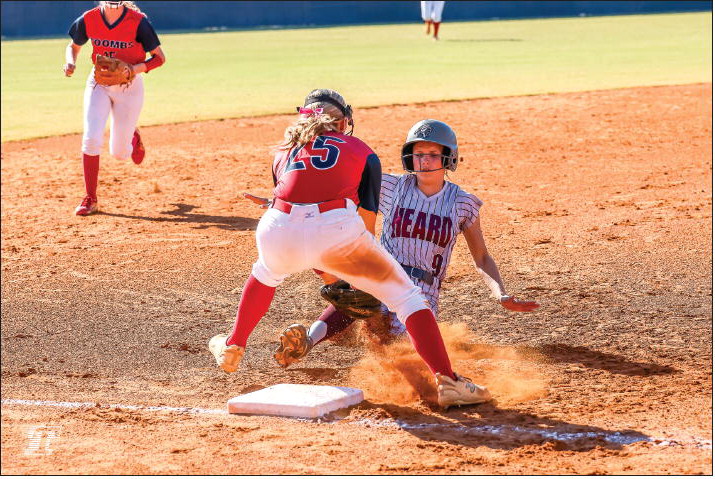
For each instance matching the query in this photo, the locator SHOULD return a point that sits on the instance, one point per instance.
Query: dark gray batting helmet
(437, 132)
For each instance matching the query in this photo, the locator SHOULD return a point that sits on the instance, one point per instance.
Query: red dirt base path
(597, 204)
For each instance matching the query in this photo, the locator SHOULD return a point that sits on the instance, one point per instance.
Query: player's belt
(420, 274)
(286, 207)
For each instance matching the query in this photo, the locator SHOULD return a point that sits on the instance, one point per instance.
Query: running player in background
(118, 30)
(422, 216)
(432, 15)
(321, 174)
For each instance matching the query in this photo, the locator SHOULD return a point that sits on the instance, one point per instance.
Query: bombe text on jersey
(111, 43)
(436, 229)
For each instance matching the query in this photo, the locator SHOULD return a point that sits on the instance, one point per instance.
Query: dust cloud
(396, 374)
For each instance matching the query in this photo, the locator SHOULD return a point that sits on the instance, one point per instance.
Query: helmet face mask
(433, 131)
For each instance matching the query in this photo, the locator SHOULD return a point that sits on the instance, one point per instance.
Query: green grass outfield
(242, 73)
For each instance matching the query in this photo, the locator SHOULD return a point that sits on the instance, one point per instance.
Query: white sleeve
(467, 209)
(388, 185)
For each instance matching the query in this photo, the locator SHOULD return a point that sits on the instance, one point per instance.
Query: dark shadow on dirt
(487, 425)
(252, 388)
(614, 363)
(318, 374)
(182, 214)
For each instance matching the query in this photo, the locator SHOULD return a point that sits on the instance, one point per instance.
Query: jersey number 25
(326, 159)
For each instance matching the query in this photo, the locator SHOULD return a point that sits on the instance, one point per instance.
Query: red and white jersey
(329, 167)
(421, 231)
(118, 40)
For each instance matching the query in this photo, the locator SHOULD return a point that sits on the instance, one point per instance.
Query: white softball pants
(125, 105)
(432, 11)
(335, 242)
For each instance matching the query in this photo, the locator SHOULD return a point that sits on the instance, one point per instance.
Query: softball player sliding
(432, 15)
(422, 216)
(321, 174)
(119, 30)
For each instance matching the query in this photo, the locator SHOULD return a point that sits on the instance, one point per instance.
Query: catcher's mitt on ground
(351, 302)
(112, 71)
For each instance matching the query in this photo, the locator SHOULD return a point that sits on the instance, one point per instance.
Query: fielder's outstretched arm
(486, 265)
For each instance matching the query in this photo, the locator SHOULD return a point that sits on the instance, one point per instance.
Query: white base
(295, 400)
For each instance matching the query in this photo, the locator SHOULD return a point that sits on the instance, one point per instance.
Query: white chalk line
(496, 431)
(613, 437)
(81, 405)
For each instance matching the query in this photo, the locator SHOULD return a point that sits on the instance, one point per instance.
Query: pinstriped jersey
(421, 231)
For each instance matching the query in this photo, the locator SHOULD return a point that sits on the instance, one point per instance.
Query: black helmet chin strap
(424, 171)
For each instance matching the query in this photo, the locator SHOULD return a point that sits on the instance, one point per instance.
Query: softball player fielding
(422, 216)
(118, 30)
(432, 15)
(321, 174)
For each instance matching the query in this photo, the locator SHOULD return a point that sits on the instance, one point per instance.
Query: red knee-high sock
(335, 320)
(255, 301)
(428, 23)
(436, 28)
(91, 174)
(427, 340)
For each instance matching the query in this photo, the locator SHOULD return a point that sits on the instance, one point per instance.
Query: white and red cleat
(138, 151)
(459, 392)
(87, 207)
(227, 357)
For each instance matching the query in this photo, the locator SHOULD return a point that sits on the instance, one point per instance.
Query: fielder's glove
(112, 71)
(351, 302)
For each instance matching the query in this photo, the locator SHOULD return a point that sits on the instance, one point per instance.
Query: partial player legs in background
(425, 15)
(432, 11)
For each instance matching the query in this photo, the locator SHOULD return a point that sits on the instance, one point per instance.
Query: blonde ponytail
(315, 119)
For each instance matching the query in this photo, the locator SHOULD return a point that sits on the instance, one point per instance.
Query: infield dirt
(597, 204)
